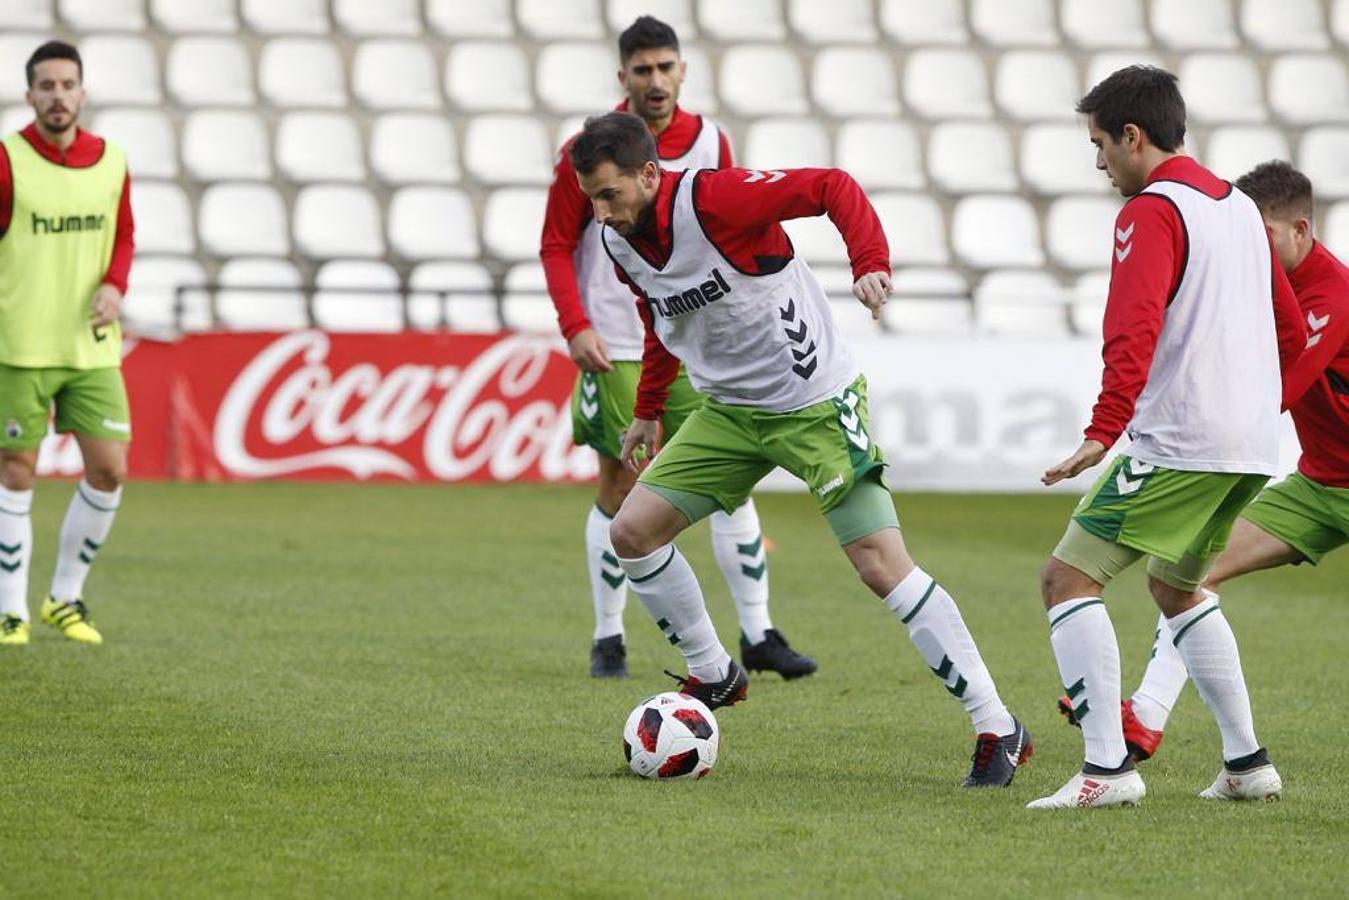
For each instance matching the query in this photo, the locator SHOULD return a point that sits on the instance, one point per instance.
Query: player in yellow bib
(65, 251)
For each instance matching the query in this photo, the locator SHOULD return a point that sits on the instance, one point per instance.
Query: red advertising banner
(319, 406)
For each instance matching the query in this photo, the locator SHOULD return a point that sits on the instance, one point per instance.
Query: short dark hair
(1145, 96)
(617, 137)
(646, 33)
(53, 50)
(1279, 190)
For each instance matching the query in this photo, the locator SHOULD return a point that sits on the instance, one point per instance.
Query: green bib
(54, 257)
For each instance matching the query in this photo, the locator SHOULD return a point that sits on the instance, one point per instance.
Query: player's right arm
(564, 220)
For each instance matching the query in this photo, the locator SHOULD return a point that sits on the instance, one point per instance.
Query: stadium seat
(147, 137)
(260, 294)
(337, 220)
(990, 232)
(15, 118)
(468, 303)
(1222, 87)
(358, 295)
(243, 220)
(854, 81)
(851, 318)
(184, 16)
(913, 23)
(946, 84)
(153, 297)
(508, 149)
(210, 71)
(26, 14)
(1275, 26)
(577, 78)
(762, 80)
(319, 146)
(14, 52)
(408, 148)
(479, 19)
(969, 157)
(119, 69)
(1093, 25)
(914, 227)
(487, 75)
(432, 223)
(302, 72)
(880, 154)
(103, 15)
(395, 74)
(817, 241)
(929, 302)
(1323, 156)
(220, 145)
(524, 304)
(678, 14)
(835, 22)
(1335, 230)
(1309, 88)
(786, 144)
(1339, 21)
(1100, 66)
(1058, 159)
(1089, 296)
(1014, 23)
(743, 20)
(512, 221)
(1037, 85)
(699, 91)
(163, 218)
(286, 16)
(567, 129)
(1194, 24)
(1233, 151)
(836, 278)
(1024, 303)
(560, 20)
(393, 18)
(1078, 231)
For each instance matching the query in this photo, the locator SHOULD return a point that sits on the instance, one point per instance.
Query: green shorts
(1180, 519)
(88, 401)
(1311, 518)
(602, 405)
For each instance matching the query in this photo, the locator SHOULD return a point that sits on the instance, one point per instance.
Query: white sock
(737, 543)
(940, 635)
(86, 526)
(608, 588)
(1163, 680)
(1088, 656)
(16, 551)
(1209, 648)
(669, 590)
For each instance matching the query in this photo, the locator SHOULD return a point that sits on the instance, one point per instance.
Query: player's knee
(629, 540)
(17, 473)
(105, 476)
(1060, 582)
(877, 571)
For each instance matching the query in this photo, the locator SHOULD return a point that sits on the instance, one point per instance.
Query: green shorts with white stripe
(602, 405)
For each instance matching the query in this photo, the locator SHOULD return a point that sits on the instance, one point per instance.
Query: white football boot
(1260, 783)
(1084, 790)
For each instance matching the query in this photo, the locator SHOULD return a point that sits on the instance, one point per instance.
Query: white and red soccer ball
(671, 735)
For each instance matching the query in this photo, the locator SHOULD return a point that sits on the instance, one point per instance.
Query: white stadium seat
(1089, 296)
(760, 80)
(153, 298)
(786, 144)
(1236, 149)
(319, 146)
(834, 22)
(1323, 156)
(1275, 26)
(946, 84)
(1309, 88)
(163, 218)
(1335, 231)
(1222, 87)
(432, 223)
(880, 154)
(394, 18)
(577, 78)
(337, 220)
(407, 148)
(1078, 231)
(1037, 85)
(210, 71)
(854, 81)
(488, 75)
(969, 157)
(15, 118)
(358, 295)
(1023, 303)
(120, 69)
(27, 14)
(817, 240)
(990, 232)
(1058, 159)
(508, 149)
(568, 129)
(220, 145)
(1100, 66)
(512, 221)
(1093, 25)
(743, 20)
(930, 302)
(286, 16)
(300, 72)
(147, 137)
(1194, 24)
(479, 19)
(260, 294)
(1339, 21)
(851, 318)
(922, 22)
(243, 220)
(1014, 23)
(914, 227)
(554, 20)
(104, 15)
(14, 52)
(699, 91)
(678, 14)
(184, 16)
(525, 305)
(395, 74)
(468, 304)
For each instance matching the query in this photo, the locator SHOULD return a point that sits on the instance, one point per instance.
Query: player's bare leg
(608, 583)
(17, 469)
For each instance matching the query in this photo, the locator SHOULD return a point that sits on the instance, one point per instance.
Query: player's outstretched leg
(16, 550)
(660, 576)
(737, 543)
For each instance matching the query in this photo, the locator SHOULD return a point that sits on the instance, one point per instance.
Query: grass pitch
(323, 691)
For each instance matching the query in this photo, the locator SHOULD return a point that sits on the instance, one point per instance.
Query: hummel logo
(1123, 237)
(1135, 468)
(1316, 325)
(772, 175)
(805, 362)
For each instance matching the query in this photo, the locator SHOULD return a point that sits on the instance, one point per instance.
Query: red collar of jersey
(1320, 263)
(1184, 169)
(678, 137)
(82, 153)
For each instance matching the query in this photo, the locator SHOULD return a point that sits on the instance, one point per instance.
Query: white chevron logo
(1134, 467)
(1122, 237)
(851, 421)
(772, 175)
(1123, 234)
(590, 402)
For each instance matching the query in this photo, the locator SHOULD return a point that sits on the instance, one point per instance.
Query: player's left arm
(1327, 333)
(660, 367)
(106, 305)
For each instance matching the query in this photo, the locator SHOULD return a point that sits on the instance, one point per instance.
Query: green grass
(381, 691)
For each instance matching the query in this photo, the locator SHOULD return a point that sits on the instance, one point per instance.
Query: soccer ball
(671, 735)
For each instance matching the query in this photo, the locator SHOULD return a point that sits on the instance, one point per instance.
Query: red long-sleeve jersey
(1156, 249)
(741, 211)
(569, 210)
(1318, 387)
(86, 150)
